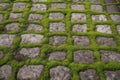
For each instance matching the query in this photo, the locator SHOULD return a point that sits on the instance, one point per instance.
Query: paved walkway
(59, 40)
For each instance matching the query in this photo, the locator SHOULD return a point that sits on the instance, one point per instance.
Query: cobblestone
(19, 6)
(58, 6)
(35, 27)
(97, 8)
(79, 28)
(58, 16)
(14, 16)
(35, 17)
(77, 7)
(99, 18)
(12, 26)
(4, 6)
(39, 7)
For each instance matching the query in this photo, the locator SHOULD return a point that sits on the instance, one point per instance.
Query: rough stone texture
(1, 17)
(78, 0)
(83, 56)
(97, 8)
(58, 55)
(104, 41)
(35, 27)
(112, 75)
(99, 18)
(110, 1)
(30, 52)
(18, 57)
(57, 27)
(57, 40)
(12, 26)
(4, 6)
(19, 6)
(115, 17)
(103, 29)
(1, 54)
(31, 38)
(60, 73)
(78, 17)
(118, 29)
(35, 17)
(89, 74)
(14, 16)
(77, 7)
(30, 72)
(79, 28)
(95, 1)
(6, 40)
(5, 72)
(39, 7)
(56, 15)
(113, 8)
(39, 0)
(107, 56)
(58, 5)
(81, 40)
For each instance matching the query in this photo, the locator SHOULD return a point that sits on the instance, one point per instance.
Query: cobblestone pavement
(59, 40)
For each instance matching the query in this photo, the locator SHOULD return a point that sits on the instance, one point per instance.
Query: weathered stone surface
(39, 0)
(107, 56)
(30, 52)
(4, 6)
(35, 17)
(58, 55)
(110, 1)
(14, 16)
(89, 74)
(58, 5)
(60, 73)
(112, 75)
(56, 15)
(115, 17)
(1, 17)
(83, 56)
(6, 40)
(57, 27)
(79, 28)
(103, 29)
(113, 8)
(104, 41)
(1, 54)
(35, 27)
(12, 26)
(78, 17)
(81, 40)
(77, 7)
(18, 57)
(30, 72)
(39, 7)
(99, 18)
(31, 38)
(57, 40)
(5, 72)
(19, 6)
(95, 1)
(118, 29)
(78, 0)
(97, 8)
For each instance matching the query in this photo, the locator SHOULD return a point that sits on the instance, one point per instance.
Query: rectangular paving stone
(39, 0)
(83, 56)
(35, 17)
(81, 40)
(78, 17)
(31, 38)
(57, 27)
(89, 74)
(77, 7)
(12, 26)
(104, 41)
(14, 16)
(6, 40)
(113, 8)
(58, 5)
(19, 6)
(4, 6)
(57, 40)
(79, 28)
(35, 27)
(56, 16)
(103, 29)
(108, 56)
(115, 17)
(99, 18)
(78, 0)
(39, 7)
(95, 1)
(97, 8)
